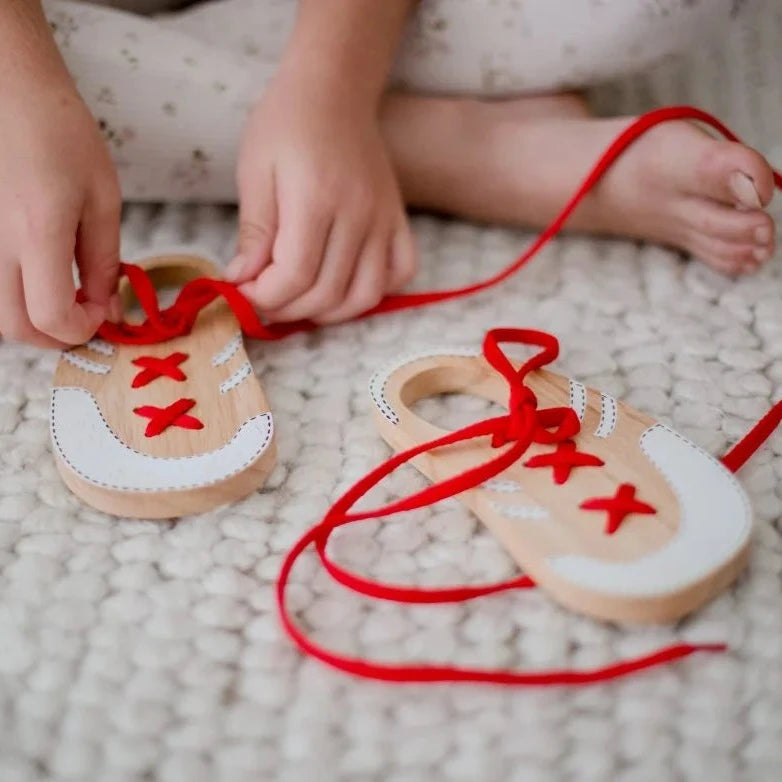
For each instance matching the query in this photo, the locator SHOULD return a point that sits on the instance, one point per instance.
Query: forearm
(347, 45)
(27, 46)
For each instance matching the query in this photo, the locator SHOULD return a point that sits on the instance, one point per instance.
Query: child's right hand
(59, 200)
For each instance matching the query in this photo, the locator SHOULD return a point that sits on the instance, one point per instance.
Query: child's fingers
(14, 322)
(97, 246)
(404, 257)
(50, 291)
(296, 257)
(257, 229)
(340, 258)
(368, 284)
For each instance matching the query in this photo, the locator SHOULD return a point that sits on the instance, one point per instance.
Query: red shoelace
(179, 319)
(523, 425)
(512, 433)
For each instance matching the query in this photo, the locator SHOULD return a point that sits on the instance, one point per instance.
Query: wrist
(29, 57)
(317, 82)
(345, 48)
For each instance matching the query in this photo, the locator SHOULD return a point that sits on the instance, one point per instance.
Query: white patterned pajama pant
(171, 91)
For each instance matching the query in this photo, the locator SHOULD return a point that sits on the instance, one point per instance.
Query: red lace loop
(179, 319)
(522, 397)
(522, 407)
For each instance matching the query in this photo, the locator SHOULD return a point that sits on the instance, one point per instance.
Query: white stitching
(86, 364)
(227, 351)
(527, 512)
(606, 426)
(578, 404)
(101, 346)
(156, 459)
(380, 378)
(244, 371)
(502, 486)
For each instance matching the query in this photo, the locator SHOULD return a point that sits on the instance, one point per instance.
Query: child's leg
(500, 48)
(171, 106)
(181, 87)
(521, 47)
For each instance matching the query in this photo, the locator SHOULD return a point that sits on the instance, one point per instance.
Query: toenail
(744, 190)
(763, 235)
(762, 254)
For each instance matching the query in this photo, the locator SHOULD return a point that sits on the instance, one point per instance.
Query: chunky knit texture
(137, 651)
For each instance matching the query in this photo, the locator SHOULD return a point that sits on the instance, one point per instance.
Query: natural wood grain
(568, 530)
(221, 413)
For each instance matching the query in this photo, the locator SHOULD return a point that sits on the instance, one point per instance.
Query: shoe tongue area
(168, 275)
(134, 314)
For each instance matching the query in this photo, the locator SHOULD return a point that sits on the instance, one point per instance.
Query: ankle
(433, 143)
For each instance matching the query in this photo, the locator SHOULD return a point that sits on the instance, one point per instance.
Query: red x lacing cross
(618, 507)
(173, 415)
(153, 367)
(564, 460)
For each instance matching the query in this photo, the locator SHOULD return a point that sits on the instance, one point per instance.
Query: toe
(734, 174)
(709, 218)
(731, 258)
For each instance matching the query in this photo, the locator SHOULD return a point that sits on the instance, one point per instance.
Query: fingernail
(115, 309)
(234, 269)
(763, 235)
(744, 190)
(762, 254)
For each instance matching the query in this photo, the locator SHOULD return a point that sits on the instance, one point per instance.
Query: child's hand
(323, 231)
(59, 200)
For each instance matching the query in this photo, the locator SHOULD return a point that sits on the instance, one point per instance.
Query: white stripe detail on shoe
(578, 398)
(227, 351)
(526, 512)
(86, 364)
(244, 371)
(101, 346)
(501, 485)
(608, 415)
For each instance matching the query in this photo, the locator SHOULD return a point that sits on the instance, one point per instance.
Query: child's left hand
(323, 232)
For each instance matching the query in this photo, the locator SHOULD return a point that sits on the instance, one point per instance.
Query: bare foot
(518, 162)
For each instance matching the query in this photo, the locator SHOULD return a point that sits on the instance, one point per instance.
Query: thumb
(257, 229)
(97, 253)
